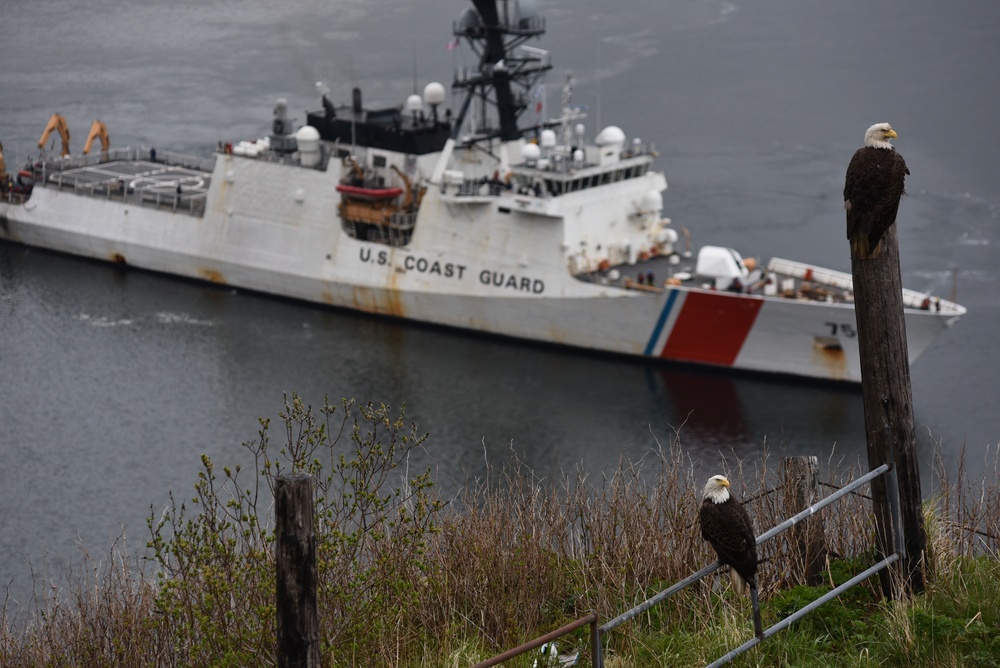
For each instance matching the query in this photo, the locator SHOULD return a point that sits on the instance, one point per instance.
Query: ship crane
(98, 130)
(56, 124)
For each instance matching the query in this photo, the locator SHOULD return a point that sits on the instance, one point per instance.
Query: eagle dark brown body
(872, 189)
(728, 529)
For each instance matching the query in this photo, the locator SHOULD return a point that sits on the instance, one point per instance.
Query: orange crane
(98, 130)
(56, 124)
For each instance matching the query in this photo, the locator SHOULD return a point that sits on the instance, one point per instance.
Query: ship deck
(178, 183)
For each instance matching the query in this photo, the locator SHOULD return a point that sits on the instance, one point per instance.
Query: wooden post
(888, 402)
(808, 536)
(295, 557)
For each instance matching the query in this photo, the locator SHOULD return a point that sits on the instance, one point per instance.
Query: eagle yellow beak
(724, 482)
(890, 134)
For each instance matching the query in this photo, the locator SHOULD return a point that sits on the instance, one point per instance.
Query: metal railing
(595, 641)
(892, 493)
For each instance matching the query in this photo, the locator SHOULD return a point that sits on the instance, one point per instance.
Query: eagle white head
(717, 489)
(878, 136)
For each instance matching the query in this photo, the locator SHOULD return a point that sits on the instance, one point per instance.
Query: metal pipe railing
(764, 537)
(596, 632)
(819, 505)
(799, 614)
(662, 596)
(595, 639)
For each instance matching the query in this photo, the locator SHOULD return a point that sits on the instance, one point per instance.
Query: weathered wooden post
(295, 557)
(888, 402)
(808, 536)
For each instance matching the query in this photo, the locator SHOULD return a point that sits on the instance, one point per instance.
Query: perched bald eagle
(872, 189)
(726, 525)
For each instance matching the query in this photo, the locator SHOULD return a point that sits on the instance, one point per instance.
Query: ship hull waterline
(743, 332)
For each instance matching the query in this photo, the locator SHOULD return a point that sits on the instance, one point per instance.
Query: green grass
(408, 580)
(955, 623)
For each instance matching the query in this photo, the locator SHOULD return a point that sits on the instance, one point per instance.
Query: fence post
(808, 537)
(295, 561)
(888, 402)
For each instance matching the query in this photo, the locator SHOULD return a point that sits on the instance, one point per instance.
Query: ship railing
(125, 154)
(193, 204)
(838, 279)
(173, 159)
(77, 161)
(403, 221)
(534, 25)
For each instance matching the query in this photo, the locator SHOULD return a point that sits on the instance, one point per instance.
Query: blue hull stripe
(661, 322)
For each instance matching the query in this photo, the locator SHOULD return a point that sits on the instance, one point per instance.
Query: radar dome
(652, 201)
(414, 103)
(434, 93)
(531, 152)
(307, 133)
(548, 138)
(307, 139)
(610, 136)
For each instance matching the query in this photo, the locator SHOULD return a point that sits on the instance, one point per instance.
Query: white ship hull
(254, 239)
(561, 253)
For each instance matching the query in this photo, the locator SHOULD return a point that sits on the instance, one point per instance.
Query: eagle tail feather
(863, 248)
(739, 584)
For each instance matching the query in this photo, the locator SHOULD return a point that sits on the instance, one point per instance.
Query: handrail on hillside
(892, 492)
(595, 640)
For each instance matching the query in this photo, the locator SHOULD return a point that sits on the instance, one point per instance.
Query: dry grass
(511, 557)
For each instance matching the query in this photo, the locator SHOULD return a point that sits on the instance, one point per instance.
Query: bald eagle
(872, 189)
(726, 525)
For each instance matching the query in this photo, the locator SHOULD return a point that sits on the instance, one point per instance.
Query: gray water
(113, 382)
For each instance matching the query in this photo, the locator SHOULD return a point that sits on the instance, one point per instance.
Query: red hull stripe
(711, 328)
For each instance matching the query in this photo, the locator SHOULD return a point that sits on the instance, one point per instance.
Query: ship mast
(507, 72)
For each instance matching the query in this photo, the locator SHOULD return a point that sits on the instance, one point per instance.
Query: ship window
(595, 180)
(378, 161)
(628, 173)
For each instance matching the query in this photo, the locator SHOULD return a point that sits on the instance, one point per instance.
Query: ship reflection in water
(742, 417)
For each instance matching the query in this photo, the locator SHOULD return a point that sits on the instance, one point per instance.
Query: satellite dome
(610, 136)
(548, 138)
(652, 201)
(414, 103)
(307, 139)
(307, 133)
(434, 93)
(531, 152)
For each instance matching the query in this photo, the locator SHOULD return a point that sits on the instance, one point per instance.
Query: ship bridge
(551, 170)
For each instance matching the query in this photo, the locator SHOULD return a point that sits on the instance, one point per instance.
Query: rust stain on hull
(829, 354)
(212, 275)
(382, 302)
(118, 258)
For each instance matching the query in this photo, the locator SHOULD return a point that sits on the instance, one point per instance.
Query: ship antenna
(599, 51)
(414, 68)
